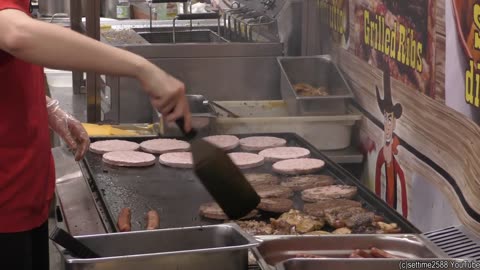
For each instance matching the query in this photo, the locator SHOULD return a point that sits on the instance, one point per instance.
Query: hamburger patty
(128, 159)
(177, 160)
(318, 209)
(281, 153)
(161, 146)
(214, 211)
(333, 217)
(102, 147)
(257, 179)
(300, 183)
(246, 160)
(329, 192)
(273, 191)
(226, 142)
(298, 166)
(275, 205)
(257, 143)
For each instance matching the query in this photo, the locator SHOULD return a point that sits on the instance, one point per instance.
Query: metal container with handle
(222, 246)
(275, 251)
(197, 16)
(318, 72)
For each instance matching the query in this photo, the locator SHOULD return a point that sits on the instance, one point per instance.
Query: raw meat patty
(273, 191)
(246, 160)
(281, 153)
(102, 147)
(329, 192)
(300, 183)
(257, 143)
(177, 160)
(275, 205)
(161, 146)
(257, 179)
(226, 142)
(128, 159)
(214, 211)
(318, 209)
(298, 166)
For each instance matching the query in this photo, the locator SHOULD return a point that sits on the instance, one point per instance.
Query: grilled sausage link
(355, 254)
(124, 220)
(153, 220)
(378, 253)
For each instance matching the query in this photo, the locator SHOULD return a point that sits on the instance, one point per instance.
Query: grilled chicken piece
(253, 227)
(297, 222)
(318, 233)
(388, 228)
(342, 231)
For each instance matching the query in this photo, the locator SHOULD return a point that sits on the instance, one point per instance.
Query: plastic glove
(68, 128)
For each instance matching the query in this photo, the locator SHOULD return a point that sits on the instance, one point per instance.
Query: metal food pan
(318, 71)
(369, 264)
(177, 193)
(168, 249)
(274, 249)
(272, 116)
(194, 36)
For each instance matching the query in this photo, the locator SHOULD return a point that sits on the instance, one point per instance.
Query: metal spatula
(221, 177)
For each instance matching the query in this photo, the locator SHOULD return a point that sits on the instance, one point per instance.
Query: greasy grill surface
(177, 194)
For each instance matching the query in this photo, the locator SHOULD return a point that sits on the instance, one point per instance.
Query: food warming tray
(365, 264)
(193, 36)
(272, 116)
(177, 194)
(273, 250)
(168, 249)
(318, 71)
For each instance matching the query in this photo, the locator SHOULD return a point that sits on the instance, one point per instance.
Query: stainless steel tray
(316, 71)
(275, 249)
(194, 36)
(325, 132)
(369, 264)
(205, 247)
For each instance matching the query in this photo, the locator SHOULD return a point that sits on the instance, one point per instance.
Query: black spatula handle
(181, 125)
(75, 247)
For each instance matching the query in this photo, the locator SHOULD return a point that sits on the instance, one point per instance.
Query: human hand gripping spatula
(220, 176)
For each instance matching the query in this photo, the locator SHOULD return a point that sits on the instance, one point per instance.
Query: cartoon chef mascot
(394, 176)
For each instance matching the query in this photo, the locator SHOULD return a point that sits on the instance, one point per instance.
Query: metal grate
(456, 242)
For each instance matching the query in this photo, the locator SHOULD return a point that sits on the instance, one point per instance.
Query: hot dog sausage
(124, 220)
(378, 253)
(355, 254)
(153, 220)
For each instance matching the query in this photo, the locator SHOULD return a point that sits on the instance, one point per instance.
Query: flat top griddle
(177, 193)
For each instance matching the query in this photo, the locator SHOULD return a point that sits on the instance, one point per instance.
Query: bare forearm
(60, 48)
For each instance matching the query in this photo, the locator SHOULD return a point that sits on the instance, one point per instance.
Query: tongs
(229, 113)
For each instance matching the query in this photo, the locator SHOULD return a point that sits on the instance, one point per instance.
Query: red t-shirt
(27, 174)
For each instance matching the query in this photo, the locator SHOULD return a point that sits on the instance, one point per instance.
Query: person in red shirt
(27, 173)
